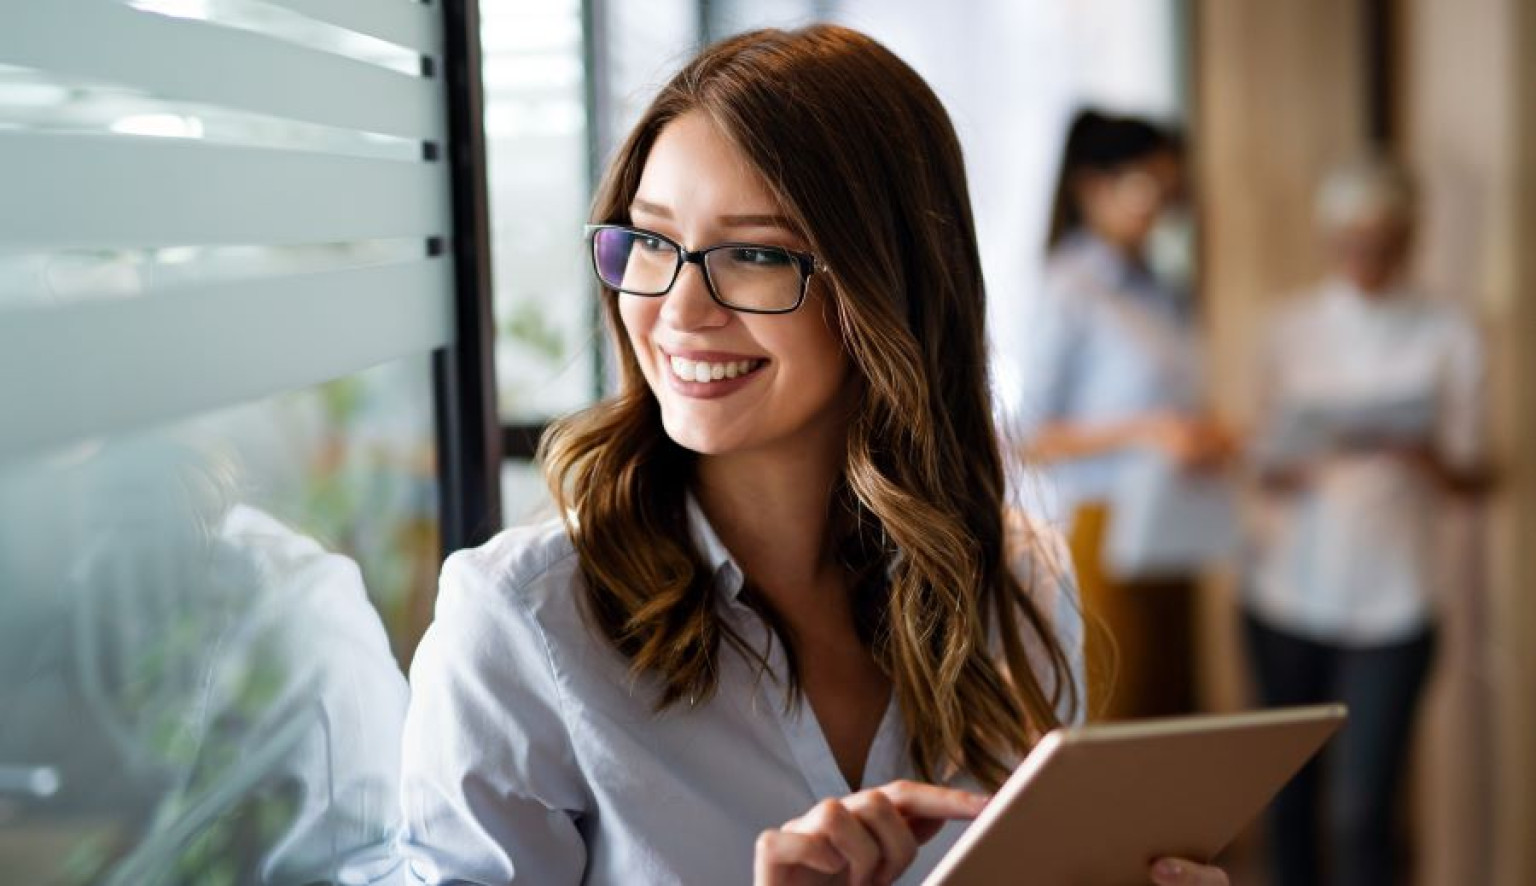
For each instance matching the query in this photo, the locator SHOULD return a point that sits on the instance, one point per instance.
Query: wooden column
(1468, 101)
(1515, 740)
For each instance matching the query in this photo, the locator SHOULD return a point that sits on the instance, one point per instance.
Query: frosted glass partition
(224, 273)
(132, 128)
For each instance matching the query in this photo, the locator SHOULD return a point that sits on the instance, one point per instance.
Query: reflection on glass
(196, 683)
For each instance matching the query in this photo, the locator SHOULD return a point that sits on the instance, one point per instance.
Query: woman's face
(1122, 205)
(1371, 252)
(698, 189)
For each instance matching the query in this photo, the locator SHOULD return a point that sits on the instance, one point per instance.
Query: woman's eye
(650, 244)
(769, 258)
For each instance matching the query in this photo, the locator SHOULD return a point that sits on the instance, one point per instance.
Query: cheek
(638, 316)
(815, 353)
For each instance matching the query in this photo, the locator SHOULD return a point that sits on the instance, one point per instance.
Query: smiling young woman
(784, 624)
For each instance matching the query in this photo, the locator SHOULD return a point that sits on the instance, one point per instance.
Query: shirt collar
(1109, 267)
(1347, 299)
(1101, 259)
(729, 578)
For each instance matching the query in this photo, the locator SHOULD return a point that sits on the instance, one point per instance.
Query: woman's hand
(1194, 443)
(864, 839)
(1178, 872)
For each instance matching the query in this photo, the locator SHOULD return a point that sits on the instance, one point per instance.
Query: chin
(694, 437)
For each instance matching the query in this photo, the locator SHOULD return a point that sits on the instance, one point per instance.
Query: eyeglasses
(747, 277)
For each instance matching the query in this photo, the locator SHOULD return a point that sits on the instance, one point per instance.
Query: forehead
(694, 168)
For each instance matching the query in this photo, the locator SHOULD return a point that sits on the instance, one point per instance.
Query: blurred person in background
(1115, 371)
(1371, 418)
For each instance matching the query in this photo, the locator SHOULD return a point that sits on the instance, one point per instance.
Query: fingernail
(1167, 868)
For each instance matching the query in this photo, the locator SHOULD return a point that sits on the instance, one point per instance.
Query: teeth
(700, 371)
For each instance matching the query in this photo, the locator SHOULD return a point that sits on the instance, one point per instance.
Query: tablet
(1096, 805)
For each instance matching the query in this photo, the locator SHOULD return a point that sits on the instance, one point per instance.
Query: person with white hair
(1371, 419)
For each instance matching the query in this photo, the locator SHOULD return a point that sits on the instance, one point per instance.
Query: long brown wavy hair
(862, 157)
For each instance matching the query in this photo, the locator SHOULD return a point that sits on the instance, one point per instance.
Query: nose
(688, 305)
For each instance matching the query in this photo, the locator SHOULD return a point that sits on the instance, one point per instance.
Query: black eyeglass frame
(806, 262)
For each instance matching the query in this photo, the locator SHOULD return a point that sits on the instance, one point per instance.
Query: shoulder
(1072, 280)
(506, 612)
(518, 562)
(1297, 309)
(1038, 556)
(1041, 560)
(525, 573)
(1292, 324)
(1451, 319)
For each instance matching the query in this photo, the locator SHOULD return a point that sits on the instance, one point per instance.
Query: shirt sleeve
(1052, 346)
(1043, 563)
(1067, 618)
(491, 792)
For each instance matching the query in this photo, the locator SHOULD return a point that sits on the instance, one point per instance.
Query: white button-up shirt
(531, 757)
(1354, 558)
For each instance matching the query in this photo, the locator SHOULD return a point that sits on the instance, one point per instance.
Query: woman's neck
(1129, 250)
(771, 510)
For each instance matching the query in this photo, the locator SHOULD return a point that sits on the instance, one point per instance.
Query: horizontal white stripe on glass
(87, 190)
(189, 60)
(96, 368)
(405, 23)
(41, 279)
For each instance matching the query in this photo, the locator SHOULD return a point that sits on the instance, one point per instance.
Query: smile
(706, 372)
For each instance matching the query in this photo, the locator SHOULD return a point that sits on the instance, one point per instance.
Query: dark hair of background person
(865, 162)
(1101, 143)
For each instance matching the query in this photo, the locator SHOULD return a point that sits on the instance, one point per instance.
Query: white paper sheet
(1165, 520)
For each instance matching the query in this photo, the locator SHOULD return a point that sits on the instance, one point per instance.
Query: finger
(898, 845)
(925, 829)
(1181, 872)
(858, 846)
(917, 800)
(779, 851)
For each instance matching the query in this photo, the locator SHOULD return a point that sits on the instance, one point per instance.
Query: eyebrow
(752, 220)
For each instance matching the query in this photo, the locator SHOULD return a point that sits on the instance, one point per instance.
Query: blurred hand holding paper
(1169, 520)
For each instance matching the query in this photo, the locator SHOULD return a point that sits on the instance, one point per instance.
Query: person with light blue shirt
(784, 626)
(1114, 363)
(1114, 370)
